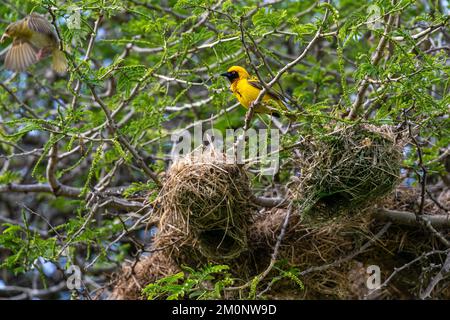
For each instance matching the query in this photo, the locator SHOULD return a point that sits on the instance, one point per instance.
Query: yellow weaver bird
(34, 39)
(246, 89)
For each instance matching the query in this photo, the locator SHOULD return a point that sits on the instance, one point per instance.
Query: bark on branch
(409, 218)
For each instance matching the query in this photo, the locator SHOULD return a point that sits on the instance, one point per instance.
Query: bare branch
(409, 218)
(437, 278)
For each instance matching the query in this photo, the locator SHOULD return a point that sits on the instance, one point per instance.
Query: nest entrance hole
(220, 244)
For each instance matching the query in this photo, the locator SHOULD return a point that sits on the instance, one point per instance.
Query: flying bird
(34, 39)
(246, 89)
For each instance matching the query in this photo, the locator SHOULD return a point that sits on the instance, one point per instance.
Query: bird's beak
(4, 36)
(226, 74)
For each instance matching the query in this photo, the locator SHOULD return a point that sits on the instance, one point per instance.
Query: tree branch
(437, 278)
(409, 218)
(375, 60)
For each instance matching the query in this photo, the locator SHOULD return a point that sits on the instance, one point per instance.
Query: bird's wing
(40, 24)
(20, 56)
(271, 92)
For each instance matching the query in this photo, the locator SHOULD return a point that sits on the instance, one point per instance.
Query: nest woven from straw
(204, 206)
(316, 247)
(350, 167)
(307, 246)
(134, 277)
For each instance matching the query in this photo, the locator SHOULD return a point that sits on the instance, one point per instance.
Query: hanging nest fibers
(204, 207)
(348, 168)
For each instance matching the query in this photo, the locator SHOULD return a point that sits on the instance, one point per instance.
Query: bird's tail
(291, 115)
(287, 110)
(59, 61)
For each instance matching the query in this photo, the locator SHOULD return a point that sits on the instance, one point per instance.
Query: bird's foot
(42, 53)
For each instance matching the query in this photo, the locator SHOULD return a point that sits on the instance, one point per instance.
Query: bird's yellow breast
(245, 92)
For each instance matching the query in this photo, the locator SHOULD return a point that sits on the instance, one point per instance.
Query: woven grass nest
(350, 167)
(204, 206)
(311, 248)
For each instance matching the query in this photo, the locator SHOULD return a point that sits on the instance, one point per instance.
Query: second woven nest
(350, 167)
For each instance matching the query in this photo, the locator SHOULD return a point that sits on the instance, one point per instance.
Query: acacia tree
(83, 154)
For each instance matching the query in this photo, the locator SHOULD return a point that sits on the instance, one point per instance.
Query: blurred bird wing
(40, 24)
(20, 56)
